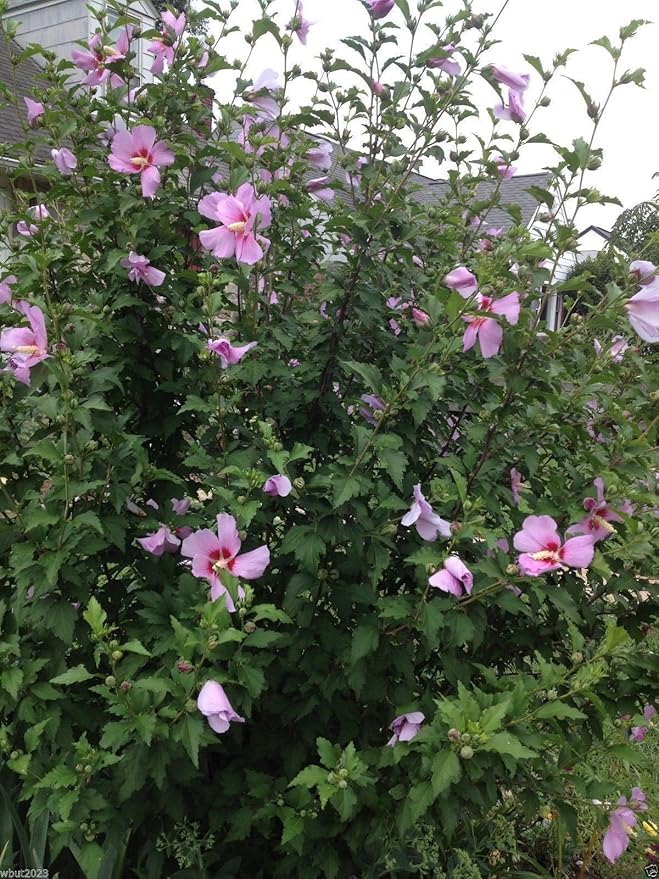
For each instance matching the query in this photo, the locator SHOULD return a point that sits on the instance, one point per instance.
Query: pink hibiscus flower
(140, 269)
(95, 62)
(65, 161)
(462, 281)
(621, 820)
(241, 216)
(5, 289)
(300, 25)
(542, 550)
(600, 515)
(213, 553)
(643, 311)
(278, 486)
(165, 44)
(229, 354)
(455, 577)
(428, 524)
(405, 727)
(443, 62)
(27, 346)
(214, 704)
(35, 109)
(320, 156)
(488, 331)
(138, 152)
(161, 541)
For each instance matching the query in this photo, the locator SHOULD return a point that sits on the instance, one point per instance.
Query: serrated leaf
(365, 640)
(75, 675)
(505, 743)
(309, 777)
(446, 770)
(560, 711)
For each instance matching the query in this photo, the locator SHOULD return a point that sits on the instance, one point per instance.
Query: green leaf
(95, 616)
(505, 743)
(329, 754)
(192, 730)
(293, 825)
(371, 374)
(135, 647)
(446, 770)
(75, 675)
(560, 711)
(11, 680)
(346, 488)
(309, 777)
(365, 640)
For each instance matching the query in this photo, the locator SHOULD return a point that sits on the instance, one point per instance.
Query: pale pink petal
(508, 306)
(578, 552)
(251, 565)
(445, 581)
(537, 533)
(490, 336)
(150, 179)
(227, 533)
(201, 543)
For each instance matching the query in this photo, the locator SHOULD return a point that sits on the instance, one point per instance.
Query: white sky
(628, 133)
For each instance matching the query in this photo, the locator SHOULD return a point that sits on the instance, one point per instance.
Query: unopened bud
(466, 738)
(512, 569)
(343, 773)
(190, 706)
(299, 483)
(343, 784)
(110, 681)
(69, 459)
(332, 778)
(454, 735)
(125, 686)
(117, 655)
(89, 769)
(466, 753)
(250, 627)
(184, 666)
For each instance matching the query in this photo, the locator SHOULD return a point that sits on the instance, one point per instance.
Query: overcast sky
(628, 133)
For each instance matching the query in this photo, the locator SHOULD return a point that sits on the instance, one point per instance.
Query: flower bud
(117, 655)
(552, 694)
(88, 769)
(343, 773)
(14, 755)
(512, 570)
(577, 657)
(334, 574)
(212, 642)
(466, 753)
(343, 784)
(184, 666)
(466, 738)
(332, 778)
(299, 483)
(110, 681)
(79, 768)
(323, 574)
(69, 459)
(250, 627)
(125, 686)
(454, 735)
(190, 706)
(524, 598)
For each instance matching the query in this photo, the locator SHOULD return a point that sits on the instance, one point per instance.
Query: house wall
(59, 25)
(6, 202)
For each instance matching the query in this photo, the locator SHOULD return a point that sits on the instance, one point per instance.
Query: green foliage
(109, 768)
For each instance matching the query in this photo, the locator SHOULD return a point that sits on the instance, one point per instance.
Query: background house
(58, 25)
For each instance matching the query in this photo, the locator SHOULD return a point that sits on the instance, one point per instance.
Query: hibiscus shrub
(292, 469)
